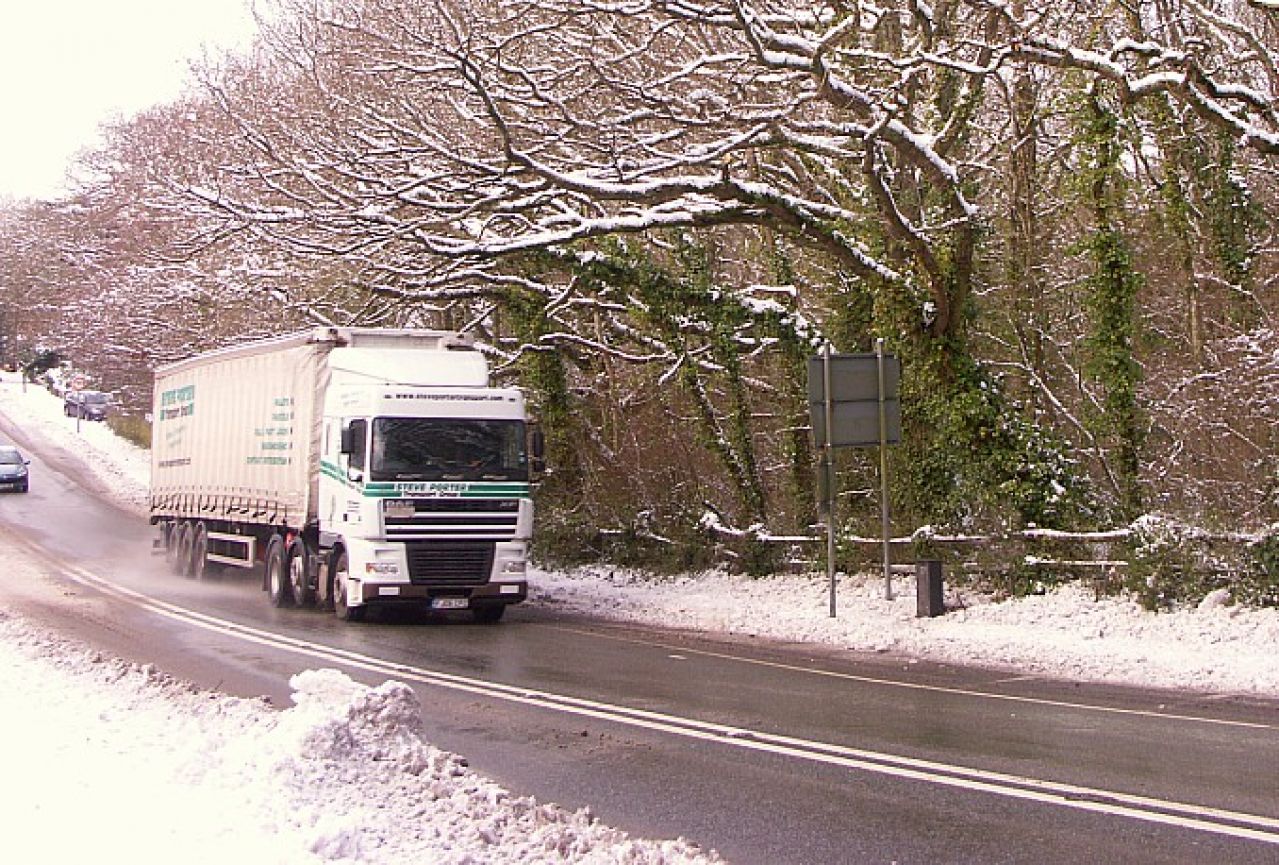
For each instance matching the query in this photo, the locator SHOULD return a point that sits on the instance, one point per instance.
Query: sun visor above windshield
(408, 367)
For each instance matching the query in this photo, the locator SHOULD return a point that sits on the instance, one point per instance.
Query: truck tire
(199, 551)
(171, 545)
(169, 538)
(341, 571)
(181, 564)
(300, 574)
(276, 572)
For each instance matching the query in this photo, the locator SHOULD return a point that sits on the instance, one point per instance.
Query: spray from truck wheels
(356, 467)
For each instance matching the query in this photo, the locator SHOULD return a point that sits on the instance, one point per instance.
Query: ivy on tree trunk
(1111, 302)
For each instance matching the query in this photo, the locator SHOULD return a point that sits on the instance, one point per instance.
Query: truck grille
(449, 564)
(454, 519)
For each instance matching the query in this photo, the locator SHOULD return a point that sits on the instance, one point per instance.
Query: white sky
(68, 65)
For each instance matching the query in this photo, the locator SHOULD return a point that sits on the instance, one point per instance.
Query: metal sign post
(883, 471)
(829, 468)
(853, 402)
(77, 386)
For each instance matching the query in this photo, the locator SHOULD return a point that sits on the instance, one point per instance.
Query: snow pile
(152, 770)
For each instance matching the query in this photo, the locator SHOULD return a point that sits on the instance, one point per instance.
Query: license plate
(449, 603)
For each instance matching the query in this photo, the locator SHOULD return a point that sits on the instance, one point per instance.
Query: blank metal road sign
(854, 385)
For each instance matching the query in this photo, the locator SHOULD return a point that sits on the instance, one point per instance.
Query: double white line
(1217, 821)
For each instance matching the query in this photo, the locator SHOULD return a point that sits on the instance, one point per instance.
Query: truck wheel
(199, 551)
(488, 614)
(340, 609)
(299, 574)
(171, 538)
(277, 574)
(181, 564)
(168, 533)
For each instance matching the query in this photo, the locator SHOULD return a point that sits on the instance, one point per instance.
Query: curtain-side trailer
(354, 466)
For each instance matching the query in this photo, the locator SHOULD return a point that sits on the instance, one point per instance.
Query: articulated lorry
(355, 467)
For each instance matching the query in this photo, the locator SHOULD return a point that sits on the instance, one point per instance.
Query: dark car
(13, 469)
(87, 404)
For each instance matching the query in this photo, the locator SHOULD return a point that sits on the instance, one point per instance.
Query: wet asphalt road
(737, 791)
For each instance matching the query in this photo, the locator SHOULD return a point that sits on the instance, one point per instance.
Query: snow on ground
(196, 756)
(1065, 633)
(111, 761)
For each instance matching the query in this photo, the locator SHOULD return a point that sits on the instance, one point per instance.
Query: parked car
(14, 474)
(87, 404)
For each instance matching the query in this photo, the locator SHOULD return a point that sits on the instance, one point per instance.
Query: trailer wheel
(181, 564)
(169, 534)
(199, 551)
(341, 572)
(299, 574)
(277, 574)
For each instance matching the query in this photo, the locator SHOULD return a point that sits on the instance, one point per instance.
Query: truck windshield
(436, 449)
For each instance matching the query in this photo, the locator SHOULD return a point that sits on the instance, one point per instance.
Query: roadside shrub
(1173, 563)
(132, 429)
(1260, 583)
(566, 540)
(562, 541)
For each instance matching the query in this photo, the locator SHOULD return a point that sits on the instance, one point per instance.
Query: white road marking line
(942, 689)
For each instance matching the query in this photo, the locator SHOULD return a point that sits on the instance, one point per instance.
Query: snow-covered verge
(1066, 633)
(107, 760)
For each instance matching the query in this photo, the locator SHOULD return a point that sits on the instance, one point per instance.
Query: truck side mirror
(352, 443)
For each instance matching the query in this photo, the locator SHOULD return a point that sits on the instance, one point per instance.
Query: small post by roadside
(77, 387)
(928, 589)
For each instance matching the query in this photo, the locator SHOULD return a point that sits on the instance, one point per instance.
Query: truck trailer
(356, 467)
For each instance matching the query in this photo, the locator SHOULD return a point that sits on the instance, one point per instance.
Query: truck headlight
(384, 569)
(513, 567)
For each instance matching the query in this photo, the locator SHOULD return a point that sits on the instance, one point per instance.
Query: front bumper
(392, 593)
(380, 573)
